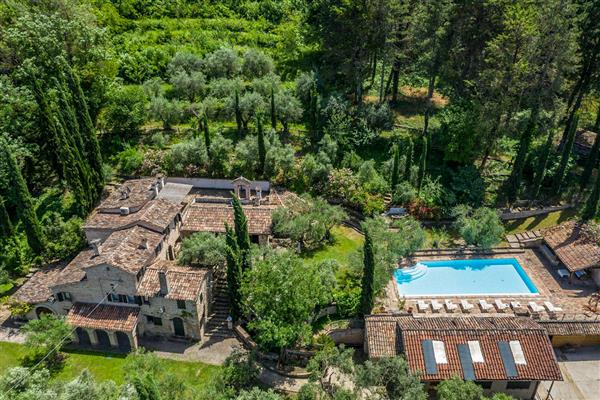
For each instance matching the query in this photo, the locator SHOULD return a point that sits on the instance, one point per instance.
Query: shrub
(184, 156)
(256, 64)
(129, 160)
(479, 227)
(125, 111)
(468, 186)
(203, 249)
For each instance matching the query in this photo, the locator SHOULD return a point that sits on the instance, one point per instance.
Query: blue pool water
(498, 276)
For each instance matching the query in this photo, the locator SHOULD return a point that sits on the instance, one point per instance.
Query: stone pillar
(112, 337)
(248, 191)
(237, 190)
(93, 337)
(74, 337)
(133, 340)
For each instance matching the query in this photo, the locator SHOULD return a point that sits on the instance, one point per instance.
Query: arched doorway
(123, 341)
(43, 310)
(83, 336)
(178, 327)
(103, 340)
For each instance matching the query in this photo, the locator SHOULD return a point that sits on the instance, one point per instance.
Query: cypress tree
(241, 232)
(234, 272)
(206, 133)
(591, 206)
(422, 164)
(594, 153)
(367, 293)
(262, 151)
(542, 163)
(22, 199)
(238, 113)
(273, 114)
(313, 115)
(514, 181)
(409, 157)
(566, 153)
(91, 148)
(6, 226)
(395, 168)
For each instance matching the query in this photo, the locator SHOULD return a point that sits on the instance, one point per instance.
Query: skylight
(439, 352)
(475, 350)
(517, 351)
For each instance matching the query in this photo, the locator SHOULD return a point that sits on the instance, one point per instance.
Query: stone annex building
(127, 284)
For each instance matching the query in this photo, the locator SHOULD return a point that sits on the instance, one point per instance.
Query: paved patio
(573, 298)
(580, 368)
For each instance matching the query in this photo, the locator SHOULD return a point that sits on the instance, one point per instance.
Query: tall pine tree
(234, 272)
(396, 168)
(241, 232)
(262, 150)
(6, 226)
(422, 164)
(591, 206)
(409, 160)
(566, 154)
(21, 199)
(592, 160)
(367, 293)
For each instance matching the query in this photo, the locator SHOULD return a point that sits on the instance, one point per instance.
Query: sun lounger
(500, 305)
(466, 306)
(551, 308)
(450, 306)
(423, 306)
(436, 306)
(563, 273)
(535, 307)
(485, 306)
(515, 305)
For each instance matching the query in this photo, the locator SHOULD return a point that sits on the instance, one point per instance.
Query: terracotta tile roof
(488, 331)
(155, 214)
(104, 316)
(567, 328)
(185, 283)
(573, 247)
(140, 191)
(37, 288)
(206, 217)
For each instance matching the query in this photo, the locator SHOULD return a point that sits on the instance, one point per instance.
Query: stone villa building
(127, 284)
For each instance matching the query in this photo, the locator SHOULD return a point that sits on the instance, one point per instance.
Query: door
(178, 327)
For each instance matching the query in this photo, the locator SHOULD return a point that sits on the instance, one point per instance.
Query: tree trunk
(373, 69)
(591, 206)
(395, 80)
(381, 82)
(514, 181)
(543, 162)
(593, 157)
(566, 154)
(428, 105)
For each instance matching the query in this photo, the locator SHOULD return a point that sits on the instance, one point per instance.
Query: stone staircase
(216, 324)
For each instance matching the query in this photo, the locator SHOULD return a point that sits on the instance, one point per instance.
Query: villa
(126, 284)
(502, 354)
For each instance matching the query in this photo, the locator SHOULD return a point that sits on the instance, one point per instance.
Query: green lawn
(108, 366)
(346, 240)
(540, 222)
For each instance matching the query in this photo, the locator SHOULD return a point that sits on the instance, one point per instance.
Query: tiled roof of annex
(184, 283)
(155, 214)
(389, 335)
(140, 191)
(129, 249)
(208, 217)
(569, 327)
(574, 247)
(103, 316)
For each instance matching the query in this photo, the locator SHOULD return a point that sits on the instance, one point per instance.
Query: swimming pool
(476, 277)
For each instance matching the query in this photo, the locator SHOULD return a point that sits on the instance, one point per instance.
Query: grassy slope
(541, 222)
(108, 366)
(346, 240)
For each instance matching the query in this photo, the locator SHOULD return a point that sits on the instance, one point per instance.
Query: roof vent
(143, 244)
(124, 210)
(125, 192)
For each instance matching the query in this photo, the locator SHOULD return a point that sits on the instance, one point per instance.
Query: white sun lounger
(466, 306)
(450, 306)
(551, 308)
(436, 306)
(500, 305)
(535, 307)
(485, 306)
(515, 305)
(423, 306)
(563, 273)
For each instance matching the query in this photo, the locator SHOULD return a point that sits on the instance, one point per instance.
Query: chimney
(143, 244)
(95, 247)
(164, 286)
(125, 192)
(156, 189)
(124, 210)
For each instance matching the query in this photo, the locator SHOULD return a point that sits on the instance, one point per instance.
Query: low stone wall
(511, 215)
(349, 336)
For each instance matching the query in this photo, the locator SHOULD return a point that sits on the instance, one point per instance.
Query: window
(518, 385)
(138, 300)
(146, 300)
(154, 320)
(485, 384)
(63, 296)
(181, 304)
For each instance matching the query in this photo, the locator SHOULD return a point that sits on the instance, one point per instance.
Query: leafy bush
(468, 186)
(203, 249)
(256, 64)
(187, 154)
(64, 238)
(129, 160)
(125, 111)
(479, 227)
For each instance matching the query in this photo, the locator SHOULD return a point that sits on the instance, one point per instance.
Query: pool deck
(573, 297)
